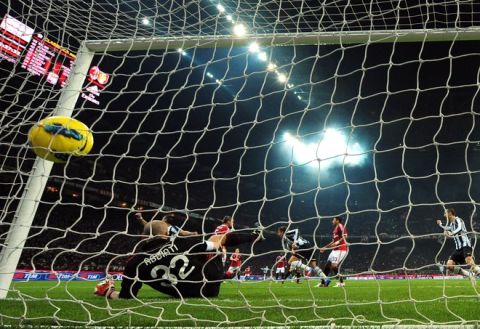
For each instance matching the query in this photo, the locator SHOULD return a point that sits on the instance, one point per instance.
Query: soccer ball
(57, 138)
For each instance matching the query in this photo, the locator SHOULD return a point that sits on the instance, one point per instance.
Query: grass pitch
(249, 304)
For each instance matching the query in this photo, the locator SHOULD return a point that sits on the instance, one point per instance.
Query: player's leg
(329, 268)
(233, 239)
(336, 266)
(470, 261)
(454, 263)
(130, 286)
(224, 256)
(316, 269)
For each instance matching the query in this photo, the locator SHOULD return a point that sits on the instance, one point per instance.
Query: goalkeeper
(177, 266)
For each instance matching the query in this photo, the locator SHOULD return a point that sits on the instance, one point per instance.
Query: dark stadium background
(417, 118)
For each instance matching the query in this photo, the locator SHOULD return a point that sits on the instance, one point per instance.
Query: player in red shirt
(280, 268)
(235, 263)
(223, 229)
(339, 249)
(248, 272)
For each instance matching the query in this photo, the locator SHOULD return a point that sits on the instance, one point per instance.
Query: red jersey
(338, 233)
(280, 262)
(222, 229)
(235, 260)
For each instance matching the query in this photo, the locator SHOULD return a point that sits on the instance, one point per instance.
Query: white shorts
(280, 270)
(337, 256)
(233, 269)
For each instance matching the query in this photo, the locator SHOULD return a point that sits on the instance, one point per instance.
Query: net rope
(385, 135)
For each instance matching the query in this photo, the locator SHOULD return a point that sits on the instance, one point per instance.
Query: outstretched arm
(140, 219)
(186, 233)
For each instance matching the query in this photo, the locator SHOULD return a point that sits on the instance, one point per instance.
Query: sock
(304, 267)
(224, 259)
(236, 238)
(476, 269)
(465, 272)
(319, 272)
(327, 268)
(335, 271)
(458, 270)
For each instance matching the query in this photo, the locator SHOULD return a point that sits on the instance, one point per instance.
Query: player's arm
(327, 246)
(458, 229)
(447, 230)
(186, 233)
(343, 239)
(444, 227)
(140, 219)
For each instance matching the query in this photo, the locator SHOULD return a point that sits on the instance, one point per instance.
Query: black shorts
(460, 254)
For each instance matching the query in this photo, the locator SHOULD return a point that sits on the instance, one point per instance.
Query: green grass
(249, 304)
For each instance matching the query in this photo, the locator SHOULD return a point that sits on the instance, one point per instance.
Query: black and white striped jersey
(457, 231)
(293, 236)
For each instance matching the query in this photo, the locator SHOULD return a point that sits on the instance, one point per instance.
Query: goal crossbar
(285, 39)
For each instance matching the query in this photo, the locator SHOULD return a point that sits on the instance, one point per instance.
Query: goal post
(286, 39)
(35, 186)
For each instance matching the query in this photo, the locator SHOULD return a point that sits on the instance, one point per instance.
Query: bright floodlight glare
(145, 21)
(271, 67)
(210, 75)
(239, 30)
(220, 8)
(333, 149)
(282, 77)
(218, 81)
(180, 50)
(299, 97)
(254, 47)
(262, 56)
(229, 18)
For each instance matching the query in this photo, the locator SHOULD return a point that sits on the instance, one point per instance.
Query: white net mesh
(384, 134)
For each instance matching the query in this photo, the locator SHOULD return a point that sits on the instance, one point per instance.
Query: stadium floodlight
(239, 30)
(262, 56)
(145, 21)
(271, 67)
(218, 81)
(229, 18)
(220, 8)
(282, 77)
(332, 149)
(254, 47)
(210, 75)
(299, 97)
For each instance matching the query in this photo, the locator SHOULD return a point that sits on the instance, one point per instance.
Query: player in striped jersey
(455, 229)
(301, 250)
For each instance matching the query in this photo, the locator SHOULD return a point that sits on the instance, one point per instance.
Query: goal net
(276, 113)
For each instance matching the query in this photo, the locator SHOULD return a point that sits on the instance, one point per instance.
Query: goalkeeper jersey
(175, 267)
